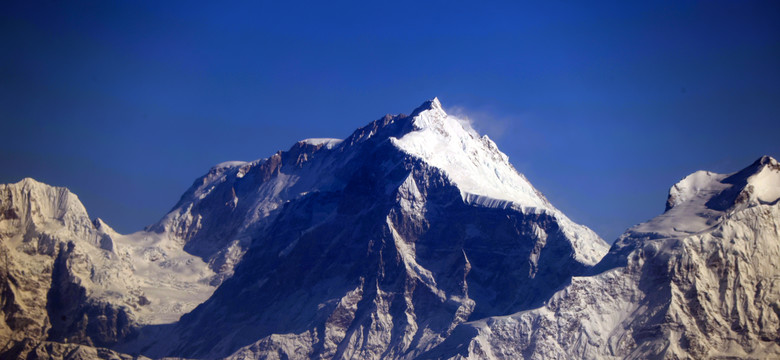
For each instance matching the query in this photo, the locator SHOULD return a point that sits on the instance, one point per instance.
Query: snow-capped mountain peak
(759, 183)
(483, 173)
(756, 183)
(701, 200)
(400, 206)
(252, 192)
(474, 163)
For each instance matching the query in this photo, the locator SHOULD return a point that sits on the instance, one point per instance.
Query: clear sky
(602, 105)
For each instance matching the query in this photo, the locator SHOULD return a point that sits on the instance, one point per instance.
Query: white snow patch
(473, 163)
(230, 164)
(766, 184)
(327, 142)
(690, 213)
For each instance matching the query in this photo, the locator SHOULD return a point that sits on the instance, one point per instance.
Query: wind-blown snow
(327, 142)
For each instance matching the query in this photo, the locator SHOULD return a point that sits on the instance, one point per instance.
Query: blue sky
(602, 105)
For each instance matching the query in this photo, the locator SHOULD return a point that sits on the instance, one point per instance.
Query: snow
(473, 163)
(703, 271)
(484, 175)
(690, 205)
(689, 213)
(699, 185)
(229, 164)
(766, 183)
(442, 146)
(172, 280)
(119, 269)
(699, 254)
(327, 142)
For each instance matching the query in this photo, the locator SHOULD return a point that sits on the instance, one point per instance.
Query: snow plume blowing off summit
(414, 237)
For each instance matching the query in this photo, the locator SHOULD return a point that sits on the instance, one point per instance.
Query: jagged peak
(767, 160)
(430, 115)
(722, 191)
(101, 226)
(40, 189)
(759, 183)
(429, 105)
(703, 198)
(473, 162)
(757, 166)
(28, 181)
(42, 202)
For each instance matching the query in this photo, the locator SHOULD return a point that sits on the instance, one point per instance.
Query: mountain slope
(699, 281)
(375, 246)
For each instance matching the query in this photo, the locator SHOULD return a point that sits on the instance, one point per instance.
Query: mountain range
(413, 238)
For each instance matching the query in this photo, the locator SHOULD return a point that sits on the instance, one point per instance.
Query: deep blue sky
(603, 106)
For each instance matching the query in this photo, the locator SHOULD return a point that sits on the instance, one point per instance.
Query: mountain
(67, 279)
(699, 281)
(378, 245)
(372, 247)
(413, 238)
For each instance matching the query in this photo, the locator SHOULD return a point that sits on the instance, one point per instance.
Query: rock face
(376, 246)
(699, 281)
(42, 272)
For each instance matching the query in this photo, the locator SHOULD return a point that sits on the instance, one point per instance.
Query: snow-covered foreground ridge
(414, 237)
